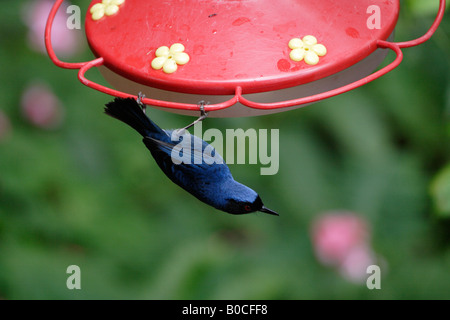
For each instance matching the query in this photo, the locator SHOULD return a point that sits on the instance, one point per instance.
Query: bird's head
(243, 206)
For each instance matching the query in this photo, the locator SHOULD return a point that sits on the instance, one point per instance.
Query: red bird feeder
(241, 56)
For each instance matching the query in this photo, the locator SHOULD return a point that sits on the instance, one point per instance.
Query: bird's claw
(140, 99)
(203, 114)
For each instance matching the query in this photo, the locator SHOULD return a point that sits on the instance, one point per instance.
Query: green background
(89, 193)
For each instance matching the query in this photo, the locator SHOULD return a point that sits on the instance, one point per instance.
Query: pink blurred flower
(341, 240)
(354, 266)
(5, 126)
(64, 41)
(334, 235)
(41, 107)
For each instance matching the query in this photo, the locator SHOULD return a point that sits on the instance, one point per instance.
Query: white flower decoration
(108, 7)
(169, 59)
(307, 49)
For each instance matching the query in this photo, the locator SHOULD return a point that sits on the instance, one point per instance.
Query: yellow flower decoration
(306, 49)
(108, 7)
(169, 59)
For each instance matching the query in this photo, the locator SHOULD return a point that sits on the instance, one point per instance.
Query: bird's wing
(196, 151)
(186, 161)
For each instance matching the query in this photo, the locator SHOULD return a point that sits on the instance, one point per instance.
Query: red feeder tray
(238, 48)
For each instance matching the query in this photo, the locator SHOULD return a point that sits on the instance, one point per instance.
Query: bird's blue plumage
(182, 157)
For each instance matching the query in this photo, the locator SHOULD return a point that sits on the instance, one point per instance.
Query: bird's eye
(248, 208)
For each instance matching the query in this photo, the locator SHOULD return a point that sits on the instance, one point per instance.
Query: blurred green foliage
(440, 190)
(89, 194)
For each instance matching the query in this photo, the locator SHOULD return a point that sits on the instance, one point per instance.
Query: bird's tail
(128, 111)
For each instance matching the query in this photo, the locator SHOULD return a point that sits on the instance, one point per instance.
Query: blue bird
(205, 176)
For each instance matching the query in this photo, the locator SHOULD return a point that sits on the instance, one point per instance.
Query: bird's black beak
(267, 210)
